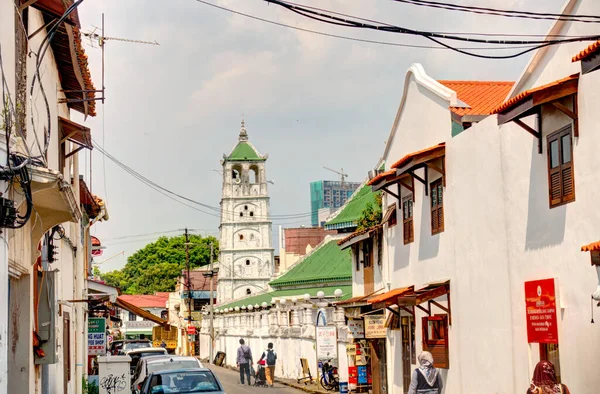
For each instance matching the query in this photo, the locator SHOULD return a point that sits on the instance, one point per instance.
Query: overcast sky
(309, 101)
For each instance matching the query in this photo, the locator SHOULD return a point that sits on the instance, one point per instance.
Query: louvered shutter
(566, 158)
(561, 183)
(554, 171)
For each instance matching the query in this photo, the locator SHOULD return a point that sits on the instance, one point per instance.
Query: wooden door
(66, 350)
(378, 365)
(405, 325)
(368, 264)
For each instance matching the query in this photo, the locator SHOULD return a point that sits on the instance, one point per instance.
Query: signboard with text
(326, 342)
(356, 328)
(96, 336)
(375, 326)
(540, 305)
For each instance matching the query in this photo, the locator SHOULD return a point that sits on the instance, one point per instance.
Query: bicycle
(329, 377)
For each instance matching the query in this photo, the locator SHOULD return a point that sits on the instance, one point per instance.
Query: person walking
(425, 379)
(244, 360)
(271, 358)
(544, 380)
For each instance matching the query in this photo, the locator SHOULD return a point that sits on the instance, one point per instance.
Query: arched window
(242, 214)
(241, 237)
(247, 262)
(236, 174)
(248, 291)
(245, 207)
(251, 237)
(251, 213)
(253, 174)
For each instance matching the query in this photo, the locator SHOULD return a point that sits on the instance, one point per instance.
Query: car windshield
(164, 365)
(184, 382)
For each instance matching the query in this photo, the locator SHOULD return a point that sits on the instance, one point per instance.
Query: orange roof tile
(587, 52)
(481, 96)
(361, 232)
(413, 155)
(528, 93)
(381, 176)
(389, 295)
(591, 247)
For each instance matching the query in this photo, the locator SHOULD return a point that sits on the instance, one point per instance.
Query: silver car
(148, 365)
(188, 381)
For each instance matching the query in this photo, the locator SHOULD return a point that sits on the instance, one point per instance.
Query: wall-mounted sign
(356, 328)
(141, 324)
(375, 326)
(351, 349)
(540, 302)
(96, 336)
(326, 342)
(191, 330)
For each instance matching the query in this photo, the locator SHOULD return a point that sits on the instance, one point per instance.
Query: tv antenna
(101, 39)
(340, 173)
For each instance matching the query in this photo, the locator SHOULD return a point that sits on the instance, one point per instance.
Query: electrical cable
(386, 43)
(329, 18)
(504, 13)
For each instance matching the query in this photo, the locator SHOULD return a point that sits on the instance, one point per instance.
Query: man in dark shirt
(244, 360)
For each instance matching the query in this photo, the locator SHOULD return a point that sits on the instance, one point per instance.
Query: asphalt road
(231, 381)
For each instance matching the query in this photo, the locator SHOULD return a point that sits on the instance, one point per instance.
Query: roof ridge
(476, 82)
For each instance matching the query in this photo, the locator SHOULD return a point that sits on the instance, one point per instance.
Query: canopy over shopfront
(140, 312)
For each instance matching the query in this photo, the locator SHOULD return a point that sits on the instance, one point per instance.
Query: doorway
(378, 365)
(369, 278)
(66, 350)
(406, 352)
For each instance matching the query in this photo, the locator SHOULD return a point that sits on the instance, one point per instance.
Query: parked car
(195, 380)
(130, 344)
(136, 354)
(147, 365)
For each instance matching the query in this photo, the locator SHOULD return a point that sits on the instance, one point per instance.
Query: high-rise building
(246, 244)
(326, 197)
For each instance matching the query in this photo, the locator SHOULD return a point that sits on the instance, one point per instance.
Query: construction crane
(340, 173)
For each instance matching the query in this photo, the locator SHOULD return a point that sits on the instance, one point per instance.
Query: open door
(378, 365)
(406, 338)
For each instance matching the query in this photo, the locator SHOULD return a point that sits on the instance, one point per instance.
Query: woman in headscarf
(425, 379)
(544, 380)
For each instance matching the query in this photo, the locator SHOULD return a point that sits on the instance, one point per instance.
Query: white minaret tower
(246, 260)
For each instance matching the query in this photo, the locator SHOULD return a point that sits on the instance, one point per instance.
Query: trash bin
(344, 387)
(219, 359)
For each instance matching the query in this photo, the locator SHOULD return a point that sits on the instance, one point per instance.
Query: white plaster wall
(7, 51)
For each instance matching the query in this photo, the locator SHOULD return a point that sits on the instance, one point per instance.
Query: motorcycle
(329, 376)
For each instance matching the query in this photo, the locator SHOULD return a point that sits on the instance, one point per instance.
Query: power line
(331, 17)
(387, 43)
(503, 13)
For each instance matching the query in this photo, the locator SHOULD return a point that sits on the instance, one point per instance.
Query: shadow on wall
(429, 245)
(545, 226)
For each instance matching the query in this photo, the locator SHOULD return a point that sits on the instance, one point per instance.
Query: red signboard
(540, 302)
(191, 330)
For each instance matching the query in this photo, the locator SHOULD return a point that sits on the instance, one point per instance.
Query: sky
(171, 111)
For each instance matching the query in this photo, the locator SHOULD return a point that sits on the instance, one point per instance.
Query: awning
(358, 301)
(88, 200)
(359, 236)
(75, 133)
(140, 312)
(404, 175)
(589, 57)
(388, 299)
(101, 291)
(594, 249)
(530, 101)
(139, 331)
(427, 294)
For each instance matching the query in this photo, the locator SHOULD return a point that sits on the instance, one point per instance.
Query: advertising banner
(540, 301)
(326, 342)
(96, 336)
(375, 326)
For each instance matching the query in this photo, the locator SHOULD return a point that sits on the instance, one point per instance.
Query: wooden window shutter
(437, 207)
(561, 183)
(407, 220)
(435, 339)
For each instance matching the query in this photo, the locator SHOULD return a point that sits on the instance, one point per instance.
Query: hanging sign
(356, 328)
(191, 330)
(375, 326)
(96, 336)
(326, 342)
(540, 301)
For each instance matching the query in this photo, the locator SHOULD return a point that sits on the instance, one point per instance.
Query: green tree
(371, 215)
(157, 266)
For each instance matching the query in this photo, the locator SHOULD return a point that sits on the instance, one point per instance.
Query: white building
(246, 244)
(493, 221)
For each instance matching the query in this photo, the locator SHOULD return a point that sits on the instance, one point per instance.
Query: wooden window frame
(437, 210)
(437, 347)
(559, 171)
(367, 250)
(393, 220)
(408, 227)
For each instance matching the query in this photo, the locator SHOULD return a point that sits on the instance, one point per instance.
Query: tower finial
(243, 133)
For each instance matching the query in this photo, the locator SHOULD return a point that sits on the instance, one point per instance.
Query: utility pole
(211, 330)
(189, 286)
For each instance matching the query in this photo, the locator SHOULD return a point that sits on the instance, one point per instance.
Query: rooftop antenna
(340, 173)
(101, 38)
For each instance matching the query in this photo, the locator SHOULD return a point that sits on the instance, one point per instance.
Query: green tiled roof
(325, 264)
(244, 151)
(351, 211)
(266, 297)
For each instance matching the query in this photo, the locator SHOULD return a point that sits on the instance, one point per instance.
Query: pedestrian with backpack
(271, 358)
(244, 360)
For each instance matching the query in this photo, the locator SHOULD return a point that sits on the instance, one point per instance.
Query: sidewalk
(308, 387)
